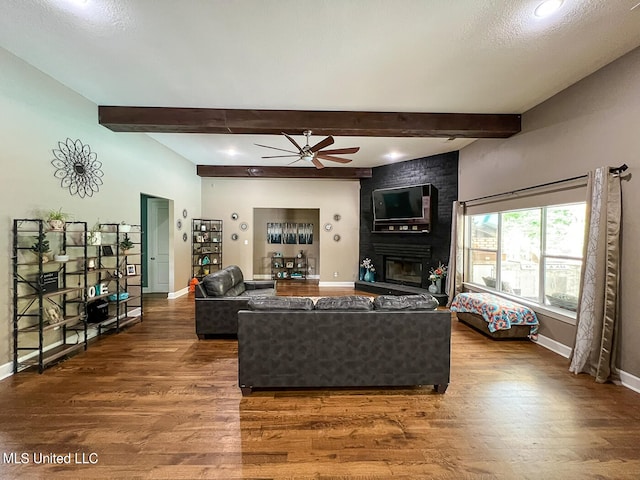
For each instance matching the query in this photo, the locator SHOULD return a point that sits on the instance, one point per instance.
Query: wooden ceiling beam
(295, 122)
(335, 173)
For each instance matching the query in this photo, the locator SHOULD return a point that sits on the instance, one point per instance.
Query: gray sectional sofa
(343, 342)
(219, 297)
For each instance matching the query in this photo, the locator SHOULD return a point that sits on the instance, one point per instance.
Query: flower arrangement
(437, 273)
(368, 264)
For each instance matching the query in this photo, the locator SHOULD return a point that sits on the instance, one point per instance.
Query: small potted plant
(126, 244)
(94, 236)
(41, 247)
(61, 257)
(57, 219)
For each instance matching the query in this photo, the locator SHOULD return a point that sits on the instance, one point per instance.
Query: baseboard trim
(337, 284)
(630, 381)
(554, 346)
(178, 294)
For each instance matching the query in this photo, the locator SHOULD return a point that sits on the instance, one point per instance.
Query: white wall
(37, 113)
(592, 123)
(223, 196)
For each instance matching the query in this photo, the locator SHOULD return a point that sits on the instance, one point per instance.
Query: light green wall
(37, 113)
(592, 123)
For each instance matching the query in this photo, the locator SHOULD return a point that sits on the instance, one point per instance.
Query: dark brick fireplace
(429, 249)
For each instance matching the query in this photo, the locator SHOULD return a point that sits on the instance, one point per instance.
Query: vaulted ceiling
(397, 57)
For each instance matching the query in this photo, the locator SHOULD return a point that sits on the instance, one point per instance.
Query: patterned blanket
(499, 312)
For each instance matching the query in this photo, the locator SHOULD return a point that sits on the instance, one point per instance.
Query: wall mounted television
(406, 208)
(399, 203)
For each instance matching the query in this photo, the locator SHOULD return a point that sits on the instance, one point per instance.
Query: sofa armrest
(259, 284)
(219, 315)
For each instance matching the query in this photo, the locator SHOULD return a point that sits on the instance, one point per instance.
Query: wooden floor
(155, 402)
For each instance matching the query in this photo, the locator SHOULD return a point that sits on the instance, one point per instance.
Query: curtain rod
(614, 170)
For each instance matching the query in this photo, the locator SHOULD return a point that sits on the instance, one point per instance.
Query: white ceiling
(463, 56)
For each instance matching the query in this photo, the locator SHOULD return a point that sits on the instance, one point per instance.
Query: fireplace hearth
(403, 271)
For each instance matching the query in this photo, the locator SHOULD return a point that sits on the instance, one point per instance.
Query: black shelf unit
(118, 272)
(206, 247)
(289, 268)
(49, 297)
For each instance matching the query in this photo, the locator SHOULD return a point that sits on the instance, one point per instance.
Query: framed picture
(131, 269)
(107, 250)
(290, 233)
(274, 233)
(305, 233)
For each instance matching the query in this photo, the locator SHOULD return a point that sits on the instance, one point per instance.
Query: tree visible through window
(534, 253)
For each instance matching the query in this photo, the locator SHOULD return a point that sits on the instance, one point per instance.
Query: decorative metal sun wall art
(77, 168)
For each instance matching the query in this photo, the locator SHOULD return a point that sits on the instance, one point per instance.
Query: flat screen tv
(400, 203)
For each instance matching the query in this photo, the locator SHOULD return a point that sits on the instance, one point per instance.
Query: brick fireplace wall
(439, 170)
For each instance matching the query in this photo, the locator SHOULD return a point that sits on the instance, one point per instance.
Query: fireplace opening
(403, 271)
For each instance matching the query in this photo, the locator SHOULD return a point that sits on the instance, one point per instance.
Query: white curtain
(596, 337)
(456, 253)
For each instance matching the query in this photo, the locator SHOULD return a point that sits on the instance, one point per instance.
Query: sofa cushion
(405, 302)
(227, 282)
(347, 302)
(280, 303)
(217, 283)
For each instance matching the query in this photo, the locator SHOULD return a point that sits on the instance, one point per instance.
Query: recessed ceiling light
(393, 155)
(547, 7)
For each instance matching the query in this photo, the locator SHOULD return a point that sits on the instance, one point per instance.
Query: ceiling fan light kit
(313, 154)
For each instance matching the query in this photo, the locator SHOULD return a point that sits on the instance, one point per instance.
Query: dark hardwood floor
(155, 402)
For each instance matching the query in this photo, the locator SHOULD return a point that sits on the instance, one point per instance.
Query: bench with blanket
(495, 316)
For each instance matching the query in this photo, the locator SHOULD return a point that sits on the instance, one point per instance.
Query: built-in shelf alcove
(263, 250)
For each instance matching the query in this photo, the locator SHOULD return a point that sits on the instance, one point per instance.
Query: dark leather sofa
(219, 297)
(303, 346)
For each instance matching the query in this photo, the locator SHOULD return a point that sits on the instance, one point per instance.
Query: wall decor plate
(244, 226)
(337, 217)
(328, 227)
(234, 236)
(184, 237)
(179, 224)
(336, 238)
(234, 216)
(184, 213)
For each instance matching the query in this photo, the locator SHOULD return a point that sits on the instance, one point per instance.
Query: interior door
(158, 244)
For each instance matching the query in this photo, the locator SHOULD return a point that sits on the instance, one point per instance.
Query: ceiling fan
(315, 153)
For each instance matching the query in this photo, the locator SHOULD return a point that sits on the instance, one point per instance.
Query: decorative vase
(433, 288)
(56, 225)
(362, 272)
(370, 276)
(439, 285)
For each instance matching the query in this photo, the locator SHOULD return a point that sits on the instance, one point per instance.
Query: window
(535, 254)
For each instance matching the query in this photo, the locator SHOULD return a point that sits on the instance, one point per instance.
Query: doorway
(156, 261)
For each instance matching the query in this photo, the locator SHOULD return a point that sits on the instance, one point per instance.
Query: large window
(535, 253)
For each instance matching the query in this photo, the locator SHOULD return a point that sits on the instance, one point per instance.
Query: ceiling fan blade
(322, 143)
(294, 161)
(275, 148)
(333, 159)
(340, 151)
(317, 163)
(281, 156)
(293, 141)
